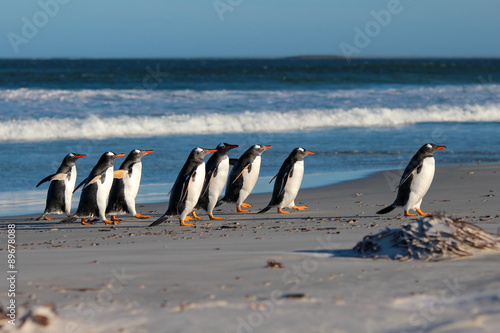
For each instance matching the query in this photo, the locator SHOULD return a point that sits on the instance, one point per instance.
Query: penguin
(61, 187)
(243, 177)
(288, 180)
(96, 190)
(126, 185)
(216, 171)
(415, 181)
(187, 188)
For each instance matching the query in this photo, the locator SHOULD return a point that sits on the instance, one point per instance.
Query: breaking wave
(101, 127)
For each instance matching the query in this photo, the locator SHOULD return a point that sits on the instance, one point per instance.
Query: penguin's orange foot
(243, 204)
(300, 207)
(184, 224)
(239, 210)
(86, 223)
(407, 213)
(47, 218)
(110, 222)
(422, 213)
(188, 218)
(196, 216)
(114, 219)
(212, 217)
(139, 216)
(281, 211)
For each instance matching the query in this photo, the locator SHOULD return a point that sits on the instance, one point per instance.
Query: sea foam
(100, 127)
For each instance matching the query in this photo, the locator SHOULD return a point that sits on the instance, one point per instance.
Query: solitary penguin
(126, 185)
(187, 188)
(216, 171)
(95, 191)
(415, 181)
(243, 177)
(61, 187)
(288, 180)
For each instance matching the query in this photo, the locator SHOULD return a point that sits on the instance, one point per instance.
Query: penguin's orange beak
(211, 151)
(310, 152)
(148, 151)
(232, 146)
(80, 155)
(268, 147)
(441, 147)
(120, 155)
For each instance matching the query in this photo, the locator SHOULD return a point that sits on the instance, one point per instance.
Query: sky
(248, 28)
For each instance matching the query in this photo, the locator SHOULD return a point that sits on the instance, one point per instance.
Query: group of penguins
(199, 185)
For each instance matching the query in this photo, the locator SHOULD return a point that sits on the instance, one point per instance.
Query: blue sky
(241, 28)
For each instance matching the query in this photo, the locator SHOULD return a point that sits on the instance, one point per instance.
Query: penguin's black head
(72, 157)
(259, 149)
(300, 153)
(429, 149)
(109, 157)
(225, 147)
(199, 153)
(136, 154)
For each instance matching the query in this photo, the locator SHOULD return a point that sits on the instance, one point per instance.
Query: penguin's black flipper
(159, 221)
(408, 173)
(69, 220)
(46, 179)
(276, 175)
(79, 185)
(265, 209)
(386, 209)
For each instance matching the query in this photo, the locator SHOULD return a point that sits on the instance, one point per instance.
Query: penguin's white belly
(420, 183)
(131, 186)
(103, 191)
(69, 186)
(249, 180)
(194, 190)
(218, 182)
(293, 185)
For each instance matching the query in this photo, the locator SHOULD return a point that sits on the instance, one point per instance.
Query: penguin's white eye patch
(199, 150)
(429, 146)
(137, 151)
(302, 149)
(109, 153)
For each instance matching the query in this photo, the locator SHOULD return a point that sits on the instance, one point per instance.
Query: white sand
(213, 277)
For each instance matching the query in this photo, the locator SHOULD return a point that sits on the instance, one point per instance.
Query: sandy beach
(262, 273)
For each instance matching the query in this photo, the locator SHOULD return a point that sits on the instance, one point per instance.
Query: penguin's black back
(56, 201)
(88, 202)
(116, 202)
(176, 204)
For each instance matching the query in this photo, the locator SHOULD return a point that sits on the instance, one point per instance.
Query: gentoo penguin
(61, 187)
(288, 181)
(96, 190)
(216, 171)
(126, 185)
(187, 188)
(416, 180)
(243, 177)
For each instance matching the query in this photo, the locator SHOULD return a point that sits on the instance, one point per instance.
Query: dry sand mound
(430, 238)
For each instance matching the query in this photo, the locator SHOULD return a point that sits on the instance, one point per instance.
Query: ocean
(359, 116)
